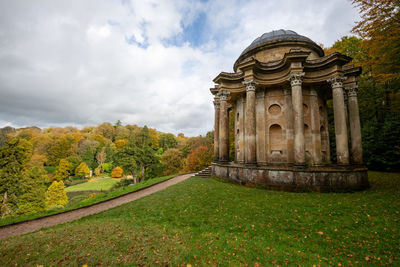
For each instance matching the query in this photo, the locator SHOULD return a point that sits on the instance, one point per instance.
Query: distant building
(278, 94)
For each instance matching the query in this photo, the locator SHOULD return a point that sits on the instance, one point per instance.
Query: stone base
(330, 178)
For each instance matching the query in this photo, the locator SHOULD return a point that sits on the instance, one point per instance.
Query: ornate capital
(352, 91)
(223, 95)
(296, 78)
(337, 81)
(250, 85)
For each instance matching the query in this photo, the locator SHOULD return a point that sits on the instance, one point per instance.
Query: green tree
(14, 157)
(172, 161)
(75, 161)
(33, 188)
(56, 195)
(126, 158)
(82, 170)
(168, 141)
(63, 170)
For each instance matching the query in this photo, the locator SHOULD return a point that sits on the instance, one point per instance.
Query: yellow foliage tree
(82, 170)
(117, 172)
(56, 195)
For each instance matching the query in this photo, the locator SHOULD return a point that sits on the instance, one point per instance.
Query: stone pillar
(297, 102)
(216, 129)
(250, 121)
(355, 127)
(339, 113)
(315, 128)
(287, 91)
(260, 127)
(223, 127)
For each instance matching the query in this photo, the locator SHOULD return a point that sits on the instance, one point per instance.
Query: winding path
(37, 224)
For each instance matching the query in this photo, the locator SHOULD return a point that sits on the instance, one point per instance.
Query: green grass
(86, 202)
(99, 184)
(207, 222)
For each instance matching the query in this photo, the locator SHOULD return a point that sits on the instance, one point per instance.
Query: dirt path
(34, 225)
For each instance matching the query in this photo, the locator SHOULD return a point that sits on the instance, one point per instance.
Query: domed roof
(274, 35)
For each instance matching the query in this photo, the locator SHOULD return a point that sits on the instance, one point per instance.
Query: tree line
(36, 164)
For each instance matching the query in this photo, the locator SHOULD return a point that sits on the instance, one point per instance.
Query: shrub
(117, 172)
(56, 195)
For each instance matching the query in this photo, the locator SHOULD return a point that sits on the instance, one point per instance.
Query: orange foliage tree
(199, 158)
(117, 172)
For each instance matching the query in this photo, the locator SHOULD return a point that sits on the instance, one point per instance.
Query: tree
(61, 148)
(126, 158)
(120, 144)
(117, 172)
(380, 29)
(75, 161)
(168, 141)
(63, 170)
(172, 161)
(56, 195)
(82, 170)
(32, 199)
(14, 157)
(199, 158)
(101, 156)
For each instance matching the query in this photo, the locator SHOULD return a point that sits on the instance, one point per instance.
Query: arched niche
(276, 140)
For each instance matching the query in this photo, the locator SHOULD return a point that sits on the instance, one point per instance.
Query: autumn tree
(55, 195)
(14, 157)
(380, 30)
(32, 199)
(82, 170)
(172, 161)
(199, 158)
(117, 172)
(63, 170)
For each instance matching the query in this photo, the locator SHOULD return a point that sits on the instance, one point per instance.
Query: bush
(117, 172)
(122, 183)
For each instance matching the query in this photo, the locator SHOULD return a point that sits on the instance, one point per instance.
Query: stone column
(216, 129)
(250, 121)
(297, 102)
(315, 128)
(355, 128)
(223, 127)
(260, 127)
(339, 113)
(287, 91)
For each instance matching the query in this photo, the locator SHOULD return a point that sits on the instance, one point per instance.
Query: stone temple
(278, 97)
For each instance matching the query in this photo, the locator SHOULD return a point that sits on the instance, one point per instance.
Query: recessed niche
(274, 110)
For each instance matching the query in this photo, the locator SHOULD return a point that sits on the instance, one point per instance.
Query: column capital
(223, 95)
(352, 91)
(296, 78)
(250, 85)
(337, 81)
(216, 104)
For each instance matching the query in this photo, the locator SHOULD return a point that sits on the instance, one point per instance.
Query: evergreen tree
(14, 156)
(56, 195)
(33, 191)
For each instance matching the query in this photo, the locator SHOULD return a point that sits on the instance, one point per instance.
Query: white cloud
(85, 62)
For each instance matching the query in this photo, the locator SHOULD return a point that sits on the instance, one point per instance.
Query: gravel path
(34, 225)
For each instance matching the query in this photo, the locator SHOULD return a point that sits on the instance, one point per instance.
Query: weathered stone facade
(278, 93)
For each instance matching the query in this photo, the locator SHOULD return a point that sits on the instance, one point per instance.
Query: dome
(272, 41)
(274, 35)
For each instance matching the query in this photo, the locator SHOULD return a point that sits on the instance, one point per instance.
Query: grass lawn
(99, 184)
(86, 202)
(208, 222)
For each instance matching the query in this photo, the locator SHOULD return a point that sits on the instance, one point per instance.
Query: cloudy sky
(145, 62)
